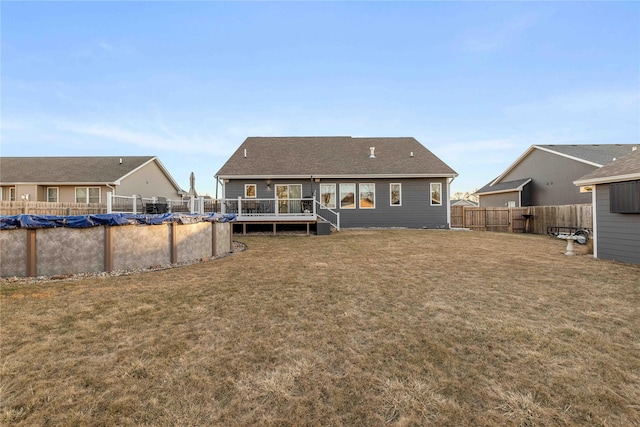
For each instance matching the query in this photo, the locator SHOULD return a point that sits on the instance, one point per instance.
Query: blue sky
(475, 82)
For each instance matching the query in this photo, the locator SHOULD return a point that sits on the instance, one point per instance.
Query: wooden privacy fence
(531, 219)
(10, 208)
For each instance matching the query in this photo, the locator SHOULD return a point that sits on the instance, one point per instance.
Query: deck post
(109, 202)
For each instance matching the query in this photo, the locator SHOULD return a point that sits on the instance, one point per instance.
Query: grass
(361, 328)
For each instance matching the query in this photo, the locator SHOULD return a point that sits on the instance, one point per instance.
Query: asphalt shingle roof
(503, 186)
(332, 156)
(67, 169)
(595, 153)
(627, 166)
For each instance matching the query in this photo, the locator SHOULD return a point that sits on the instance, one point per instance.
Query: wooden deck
(275, 220)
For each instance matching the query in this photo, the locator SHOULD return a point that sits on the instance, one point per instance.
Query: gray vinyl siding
(552, 179)
(618, 235)
(499, 199)
(415, 211)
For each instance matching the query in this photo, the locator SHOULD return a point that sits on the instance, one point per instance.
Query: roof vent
(120, 160)
(373, 152)
(245, 153)
(411, 154)
(634, 148)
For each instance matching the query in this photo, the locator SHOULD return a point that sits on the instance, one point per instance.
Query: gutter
(113, 188)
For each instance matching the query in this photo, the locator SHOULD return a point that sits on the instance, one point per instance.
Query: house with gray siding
(616, 208)
(369, 182)
(544, 174)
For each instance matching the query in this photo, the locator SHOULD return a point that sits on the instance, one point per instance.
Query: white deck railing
(328, 214)
(136, 204)
(248, 209)
(307, 208)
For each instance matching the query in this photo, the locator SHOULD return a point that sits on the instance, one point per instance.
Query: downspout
(449, 181)
(222, 206)
(221, 183)
(311, 179)
(110, 200)
(594, 219)
(113, 188)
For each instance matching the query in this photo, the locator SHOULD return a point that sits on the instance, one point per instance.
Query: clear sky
(476, 82)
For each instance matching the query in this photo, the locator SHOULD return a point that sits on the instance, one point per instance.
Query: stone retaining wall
(62, 251)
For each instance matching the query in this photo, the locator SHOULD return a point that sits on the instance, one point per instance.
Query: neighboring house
(84, 179)
(371, 182)
(616, 213)
(463, 202)
(544, 175)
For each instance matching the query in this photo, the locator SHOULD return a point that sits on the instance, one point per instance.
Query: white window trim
(399, 184)
(57, 194)
(75, 195)
(289, 186)
(340, 195)
(431, 193)
(373, 185)
(255, 191)
(335, 195)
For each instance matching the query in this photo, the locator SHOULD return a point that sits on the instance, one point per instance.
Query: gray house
(369, 182)
(544, 175)
(616, 214)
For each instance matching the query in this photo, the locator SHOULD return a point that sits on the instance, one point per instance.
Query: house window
(87, 194)
(395, 194)
(12, 194)
(53, 194)
(328, 195)
(289, 198)
(624, 197)
(347, 196)
(436, 194)
(367, 196)
(250, 191)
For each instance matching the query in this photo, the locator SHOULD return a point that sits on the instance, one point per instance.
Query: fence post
(135, 204)
(214, 239)
(239, 205)
(464, 222)
(173, 241)
(32, 265)
(108, 249)
(109, 202)
(191, 204)
(201, 207)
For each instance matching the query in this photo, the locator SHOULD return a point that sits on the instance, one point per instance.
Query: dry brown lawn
(361, 328)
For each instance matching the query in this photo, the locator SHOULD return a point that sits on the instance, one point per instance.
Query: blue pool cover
(84, 221)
